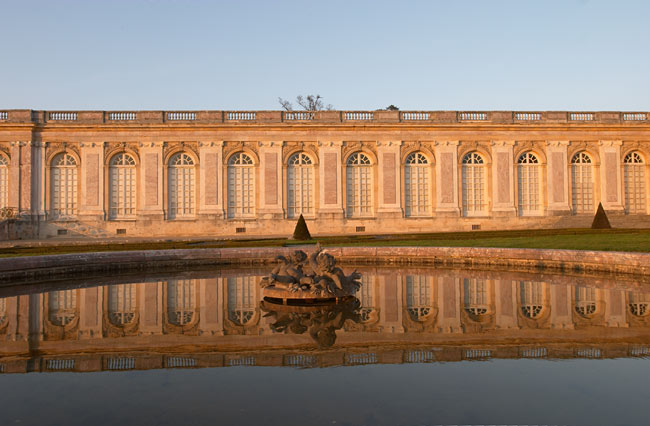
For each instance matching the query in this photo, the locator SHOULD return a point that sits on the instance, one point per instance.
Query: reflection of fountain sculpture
(321, 322)
(309, 278)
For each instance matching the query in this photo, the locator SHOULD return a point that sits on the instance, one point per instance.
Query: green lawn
(574, 239)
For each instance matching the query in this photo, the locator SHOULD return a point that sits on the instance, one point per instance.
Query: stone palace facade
(223, 173)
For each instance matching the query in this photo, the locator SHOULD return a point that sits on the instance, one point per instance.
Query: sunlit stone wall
(97, 173)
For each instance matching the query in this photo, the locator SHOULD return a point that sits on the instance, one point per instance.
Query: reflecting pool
(417, 346)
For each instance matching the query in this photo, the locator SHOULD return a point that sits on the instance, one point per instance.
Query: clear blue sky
(130, 54)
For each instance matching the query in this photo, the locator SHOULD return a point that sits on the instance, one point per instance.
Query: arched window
(475, 296)
(532, 298)
(585, 301)
(122, 184)
(528, 183)
(300, 185)
(62, 307)
(416, 185)
(4, 182)
(359, 185)
(639, 304)
(181, 186)
(121, 303)
(241, 299)
(419, 297)
(582, 183)
(366, 297)
(181, 301)
(473, 174)
(634, 177)
(241, 186)
(63, 186)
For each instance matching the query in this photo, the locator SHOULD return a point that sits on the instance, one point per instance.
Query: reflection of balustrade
(248, 361)
(179, 362)
(360, 359)
(121, 363)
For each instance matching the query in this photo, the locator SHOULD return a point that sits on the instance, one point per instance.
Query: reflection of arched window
(241, 186)
(121, 303)
(634, 180)
(63, 186)
(300, 185)
(241, 299)
(416, 185)
(582, 184)
(639, 304)
(473, 182)
(4, 181)
(528, 183)
(121, 180)
(532, 298)
(181, 186)
(181, 301)
(358, 173)
(419, 296)
(585, 301)
(366, 298)
(475, 296)
(62, 306)
(3, 310)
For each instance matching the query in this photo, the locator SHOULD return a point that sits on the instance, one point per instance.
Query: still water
(417, 346)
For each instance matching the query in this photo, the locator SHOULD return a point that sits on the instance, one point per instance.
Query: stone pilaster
(331, 198)
(505, 301)
(91, 309)
(211, 201)
(390, 320)
(151, 307)
(150, 189)
(503, 182)
(561, 307)
(92, 180)
(557, 178)
(448, 302)
(390, 197)
(611, 187)
(211, 318)
(447, 200)
(270, 181)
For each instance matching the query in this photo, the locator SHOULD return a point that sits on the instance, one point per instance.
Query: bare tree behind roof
(308, 103)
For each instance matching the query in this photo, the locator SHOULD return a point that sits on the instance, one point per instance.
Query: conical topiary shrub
(301, 232)
(600, 220)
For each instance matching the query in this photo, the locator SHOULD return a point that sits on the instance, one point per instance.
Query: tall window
(416, 183)
(582, 183)
(639, 304)
(241, 186)
(4, 181)
(181, 301)
(241, 299)
(181, 186)
(473, 173)
(300, 182)
(63, 186)
(475, 296)
(634, 176)
(366, 298)
(532, 298)
(121, 179)
(121, 303)
(585, 301)
(62, 307)
(528, 183)
(419, 297)
(359, 185)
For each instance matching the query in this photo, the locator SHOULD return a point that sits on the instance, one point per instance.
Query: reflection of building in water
(390, 302)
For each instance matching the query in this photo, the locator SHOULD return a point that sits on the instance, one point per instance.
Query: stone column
(557, 178)
(611, 193)
(92, 180)
(38, 179)
(505, 299)
(447, 203)
(330, 170)
(448, 305)
(211, 176)
(270, 181)
(150, 190)
(390, 197)
(503, 194)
